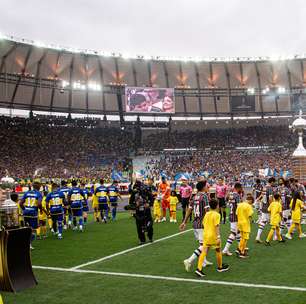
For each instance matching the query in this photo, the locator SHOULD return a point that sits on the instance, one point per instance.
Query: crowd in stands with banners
(46, 146)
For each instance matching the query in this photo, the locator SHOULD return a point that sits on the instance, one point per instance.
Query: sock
(242, 245)
(85, 220)
(229, 241)
(38, 231)
(60, 227)
(259, 232)
(74, 221)
(195, 255)
(164, 212)
(282, 227)
(219, 258)
(238, 237)
(80, 221)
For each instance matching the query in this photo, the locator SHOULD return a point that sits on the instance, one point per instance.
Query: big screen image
(149, 100)
(243, 103)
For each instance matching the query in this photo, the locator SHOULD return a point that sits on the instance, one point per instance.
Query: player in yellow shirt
(275, 209)
(244, 213)
(211, 238)
(43, 217)
(296, 206)
(173, 202)
(156, 209)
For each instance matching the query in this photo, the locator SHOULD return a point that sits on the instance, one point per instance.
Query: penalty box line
(173, 279)
(128, 250)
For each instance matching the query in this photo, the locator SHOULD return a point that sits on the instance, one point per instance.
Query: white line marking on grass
(175, 279)
(128, 250)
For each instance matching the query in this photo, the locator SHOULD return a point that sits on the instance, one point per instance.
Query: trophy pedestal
(299, 168)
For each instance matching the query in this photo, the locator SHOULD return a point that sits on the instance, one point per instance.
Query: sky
(162, 27)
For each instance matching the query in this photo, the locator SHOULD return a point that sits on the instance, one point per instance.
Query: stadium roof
(35, 76)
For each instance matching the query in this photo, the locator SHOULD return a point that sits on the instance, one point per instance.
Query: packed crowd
(230, 163)
(61, 147)
(221, 138)
(58, 147)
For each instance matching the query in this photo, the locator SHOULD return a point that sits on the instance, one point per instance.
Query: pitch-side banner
(243, 103)
(149, 100)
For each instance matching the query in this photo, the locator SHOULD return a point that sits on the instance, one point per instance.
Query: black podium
(16, 271)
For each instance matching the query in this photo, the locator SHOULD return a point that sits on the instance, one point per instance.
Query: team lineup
(279, 204)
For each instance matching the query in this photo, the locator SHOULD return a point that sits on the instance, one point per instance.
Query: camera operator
(141, 200)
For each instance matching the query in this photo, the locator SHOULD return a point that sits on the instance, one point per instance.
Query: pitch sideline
(174, 279)
(128, 250)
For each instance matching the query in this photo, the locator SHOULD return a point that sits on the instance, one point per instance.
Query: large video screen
(149, 100)
(243, 103)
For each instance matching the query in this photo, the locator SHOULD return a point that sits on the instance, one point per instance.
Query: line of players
(65, 206)
(279, 204)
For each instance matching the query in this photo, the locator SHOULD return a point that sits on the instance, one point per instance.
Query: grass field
(155, 273)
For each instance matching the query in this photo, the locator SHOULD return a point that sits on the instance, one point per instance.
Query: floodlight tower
(299, 154)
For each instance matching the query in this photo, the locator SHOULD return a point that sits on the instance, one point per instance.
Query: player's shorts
(43, 222)
(57, 217)
(31, 221)
(245, 235)
(114, 204)
(185, 202)
(222, 203)
(198, 234)
(165, 204)
(85, 207)
(286, 214)
(211, 244)
(103, 206)
(172, 207)
(265, 217)
(77, 212)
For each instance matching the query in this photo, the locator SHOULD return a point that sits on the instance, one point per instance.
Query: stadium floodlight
(281, 90)
(251, 91)
(39, 44)
(65, 84)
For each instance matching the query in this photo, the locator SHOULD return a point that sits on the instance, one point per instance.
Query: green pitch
(278, 265)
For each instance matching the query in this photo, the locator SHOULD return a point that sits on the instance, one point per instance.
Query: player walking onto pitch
(233, 201)
(75, 200)
(101, 193)
(30, 203)
(55, 202)
(266, 198)
(113, 195)
(199, 205)
(212, 238)
(164, 190)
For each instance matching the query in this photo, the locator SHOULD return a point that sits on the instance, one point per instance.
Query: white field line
(174, 279)
(128, 250)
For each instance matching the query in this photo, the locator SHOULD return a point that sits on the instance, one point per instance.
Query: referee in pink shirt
(221, 192)
(185, 192)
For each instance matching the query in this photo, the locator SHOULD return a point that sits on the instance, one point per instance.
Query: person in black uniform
(141, 200)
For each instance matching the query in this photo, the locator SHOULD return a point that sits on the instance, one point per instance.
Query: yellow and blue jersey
(101, 193)
(84, 201)
(55, 201)
(76, 197)
(65, 191)
(113, 193)
(31, 199)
